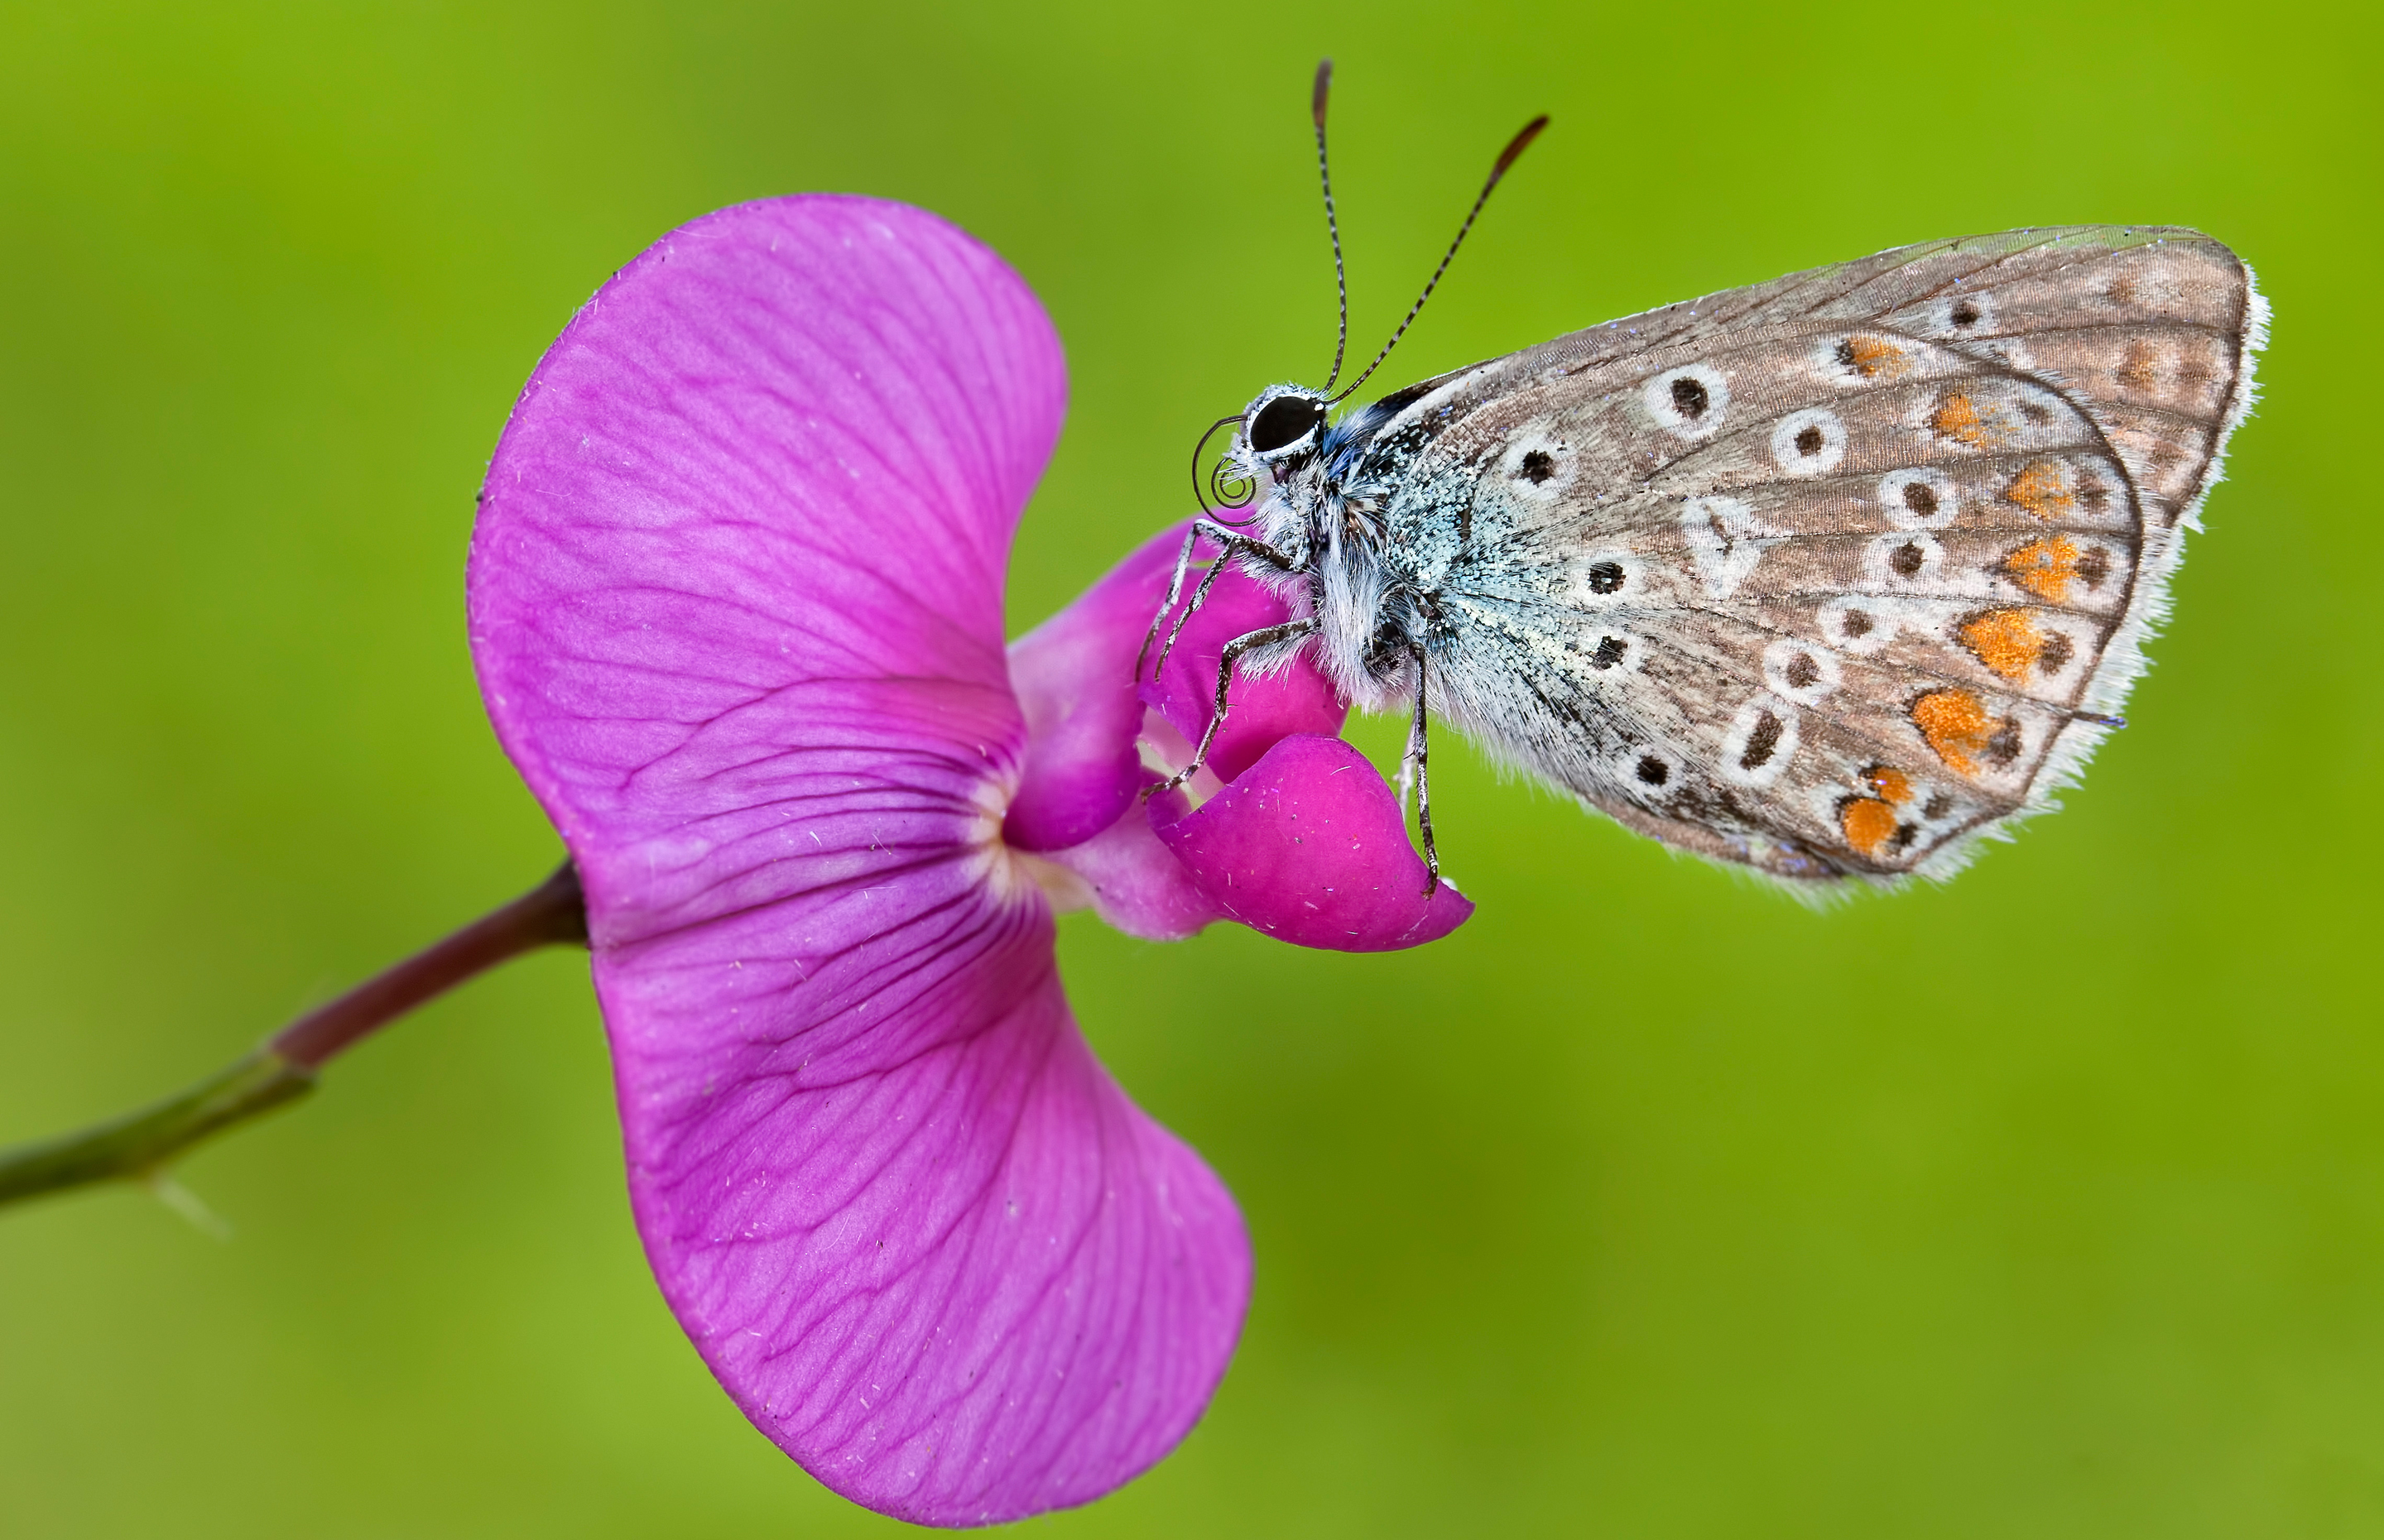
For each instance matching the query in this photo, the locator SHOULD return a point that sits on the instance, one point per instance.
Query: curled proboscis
(1227, 484)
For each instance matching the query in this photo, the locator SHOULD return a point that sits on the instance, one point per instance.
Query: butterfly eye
(1284, 421)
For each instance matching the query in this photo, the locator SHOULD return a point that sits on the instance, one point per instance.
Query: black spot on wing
(1761, 742)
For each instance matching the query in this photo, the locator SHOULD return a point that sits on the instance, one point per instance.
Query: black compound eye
(1285, 421)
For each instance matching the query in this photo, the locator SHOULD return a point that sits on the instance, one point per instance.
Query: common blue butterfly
(1829, 577)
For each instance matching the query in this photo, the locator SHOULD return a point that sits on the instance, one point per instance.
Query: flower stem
(135, 1147)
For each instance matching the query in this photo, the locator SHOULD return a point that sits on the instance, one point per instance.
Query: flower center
(1062, 889)
(1015, 873)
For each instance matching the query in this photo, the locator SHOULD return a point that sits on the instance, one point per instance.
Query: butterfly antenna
(1331, 223)
(1507, 157)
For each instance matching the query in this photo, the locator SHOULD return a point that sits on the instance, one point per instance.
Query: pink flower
(736, 605)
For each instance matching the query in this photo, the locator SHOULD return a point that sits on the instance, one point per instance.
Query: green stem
(138, 1143)
(135, 1147)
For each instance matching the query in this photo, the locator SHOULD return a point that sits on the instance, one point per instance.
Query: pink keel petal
(1296, 700)
(1138, 885)
(735, 599)
(1308, 845)
(1074, 678)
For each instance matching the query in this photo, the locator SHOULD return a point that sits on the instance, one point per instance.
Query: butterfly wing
(1835, 574)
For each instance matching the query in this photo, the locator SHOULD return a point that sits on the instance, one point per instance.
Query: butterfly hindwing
(1832, 574)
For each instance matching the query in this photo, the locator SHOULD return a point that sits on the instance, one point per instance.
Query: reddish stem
(553, 912)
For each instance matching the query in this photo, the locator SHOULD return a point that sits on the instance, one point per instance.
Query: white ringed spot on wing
(1808, 443)
(1800, 671)
(1918, 498)
(1961, 314)
(1691, 401)
(1857, 625)
(1537, 464)
(1759, 742)
(1647, 773)
(1905, 561)
(1609, 578)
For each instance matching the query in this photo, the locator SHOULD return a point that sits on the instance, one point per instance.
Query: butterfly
(1830, 577)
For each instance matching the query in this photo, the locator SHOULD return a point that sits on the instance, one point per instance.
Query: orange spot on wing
(1867, 824)
(1956, 419)
(2004, 640)
(1890, 784)
(2043, 490)
(1956, 725)
(2138, 369)
(2045, 567)
(1873, 356)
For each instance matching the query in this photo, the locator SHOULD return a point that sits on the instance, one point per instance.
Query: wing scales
(1832, 574)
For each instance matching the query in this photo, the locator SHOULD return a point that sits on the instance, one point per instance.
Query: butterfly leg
(1232, 654)
(1199, 597)
(1229, 546)
(1279, 561)
(1418, 744)
(1174, 592)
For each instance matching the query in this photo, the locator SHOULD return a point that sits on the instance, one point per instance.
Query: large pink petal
(736, 605)
(912, 1226)
(1307, 846)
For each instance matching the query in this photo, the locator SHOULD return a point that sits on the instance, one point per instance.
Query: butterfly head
(1286, 421)
(1276, 434)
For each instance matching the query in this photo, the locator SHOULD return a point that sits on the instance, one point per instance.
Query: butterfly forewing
(1832, 574)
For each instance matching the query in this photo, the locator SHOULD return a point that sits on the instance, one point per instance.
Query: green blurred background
(2046, 1205)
